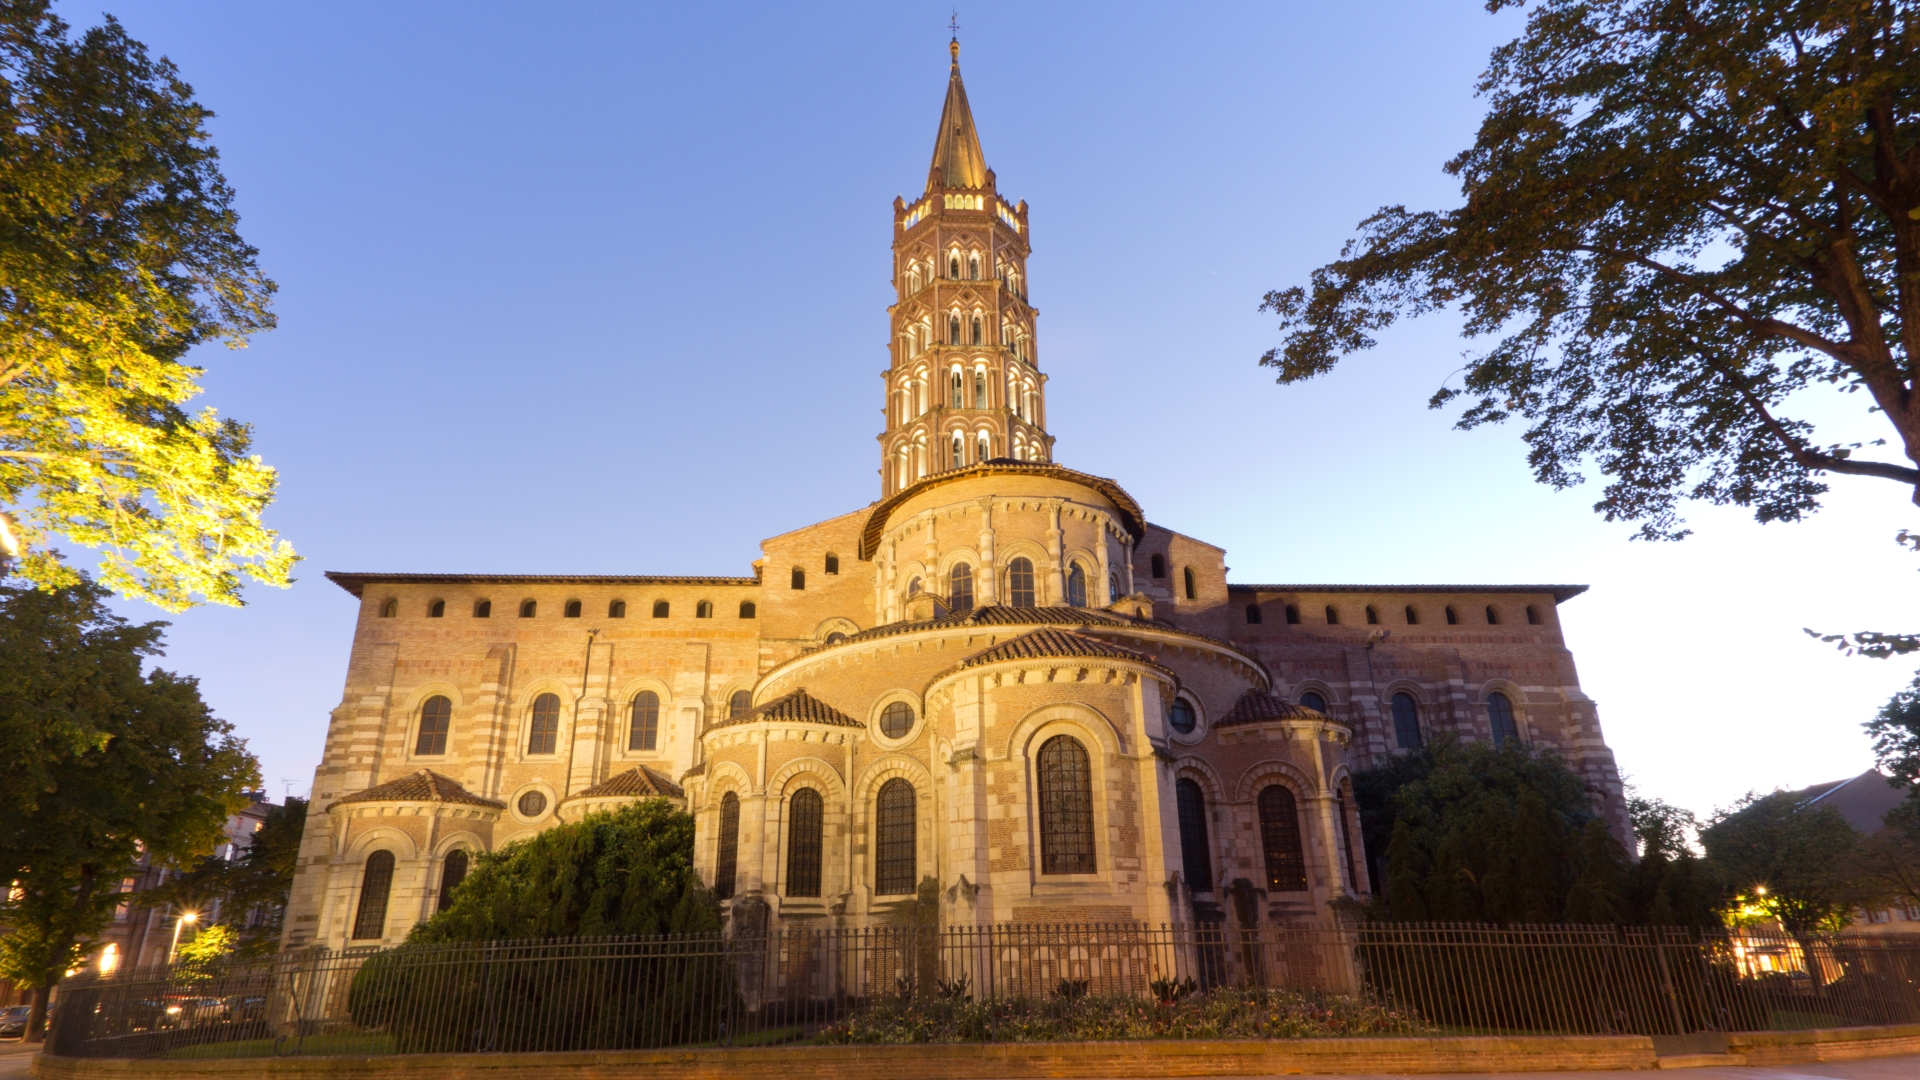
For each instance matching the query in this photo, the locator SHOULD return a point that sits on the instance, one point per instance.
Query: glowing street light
(185, 918)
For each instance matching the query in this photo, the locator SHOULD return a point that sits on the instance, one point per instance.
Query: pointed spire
(957, 160)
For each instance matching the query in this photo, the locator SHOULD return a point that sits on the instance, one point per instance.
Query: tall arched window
(979, 332)
(894, 869)
(980, 391)
(1500, 717)
(370, 920)
(955, 391)
(452, 872)
(1066, 807)
(799, 578)
(1314, 700)
(959, 450)
(1076, 586)
(543, 733)
(1195, 859)
(661, 609)
(1020, 582)
(953, 266)
(436, 717)
(617, 609)
(703, 610)
(1406, 721)
(1280, 841)
(914, 586)
(804, 838)
(747, 610)
(953, 329)
(973, 267)
(1113, 586)
(982, 447)
(1192, 592)
(960, 587)
(739, 705)
(728, 855)
(1253, 613)
(643, 721)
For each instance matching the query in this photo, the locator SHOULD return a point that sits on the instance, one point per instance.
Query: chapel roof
(424, 785)
(1050, 642)
(637, 782)
(796, 707)
(1003, 615)
(1131, 517)
(957, 160)
(1255, 707)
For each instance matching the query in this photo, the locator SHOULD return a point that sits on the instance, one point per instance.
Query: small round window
(896, 720)
(533, 804)
(1181, 715)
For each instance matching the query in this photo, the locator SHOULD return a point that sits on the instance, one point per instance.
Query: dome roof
(1255, 707)
(422, 786)
(796, 707)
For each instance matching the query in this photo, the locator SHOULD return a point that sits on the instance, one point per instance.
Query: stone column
(1056, 578)
(986, 582)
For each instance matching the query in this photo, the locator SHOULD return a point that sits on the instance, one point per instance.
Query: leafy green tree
(1670, 885)
(118, 253)
(1796, 862)
(1676, 216)
(104, 763)
(1478, 833)
(257, 881)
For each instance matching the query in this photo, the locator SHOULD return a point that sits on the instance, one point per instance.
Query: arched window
(728, 855)
(661, 609)
(1280, 841)
(836, 638)
(959, 450)
(953, 329)
(1159, 566)
(1314, 700)
(973, 267)
(1413, 617)
(1076, 585)
(643, 721)
(982, 448)
(1493, 617)
(452, 872)
(1406, 721)
(703, 610)
(1453, 617)
(1195, 859)
(437, 609)
(529, 608)
(896, 720)
(960, 587)
(980, 393)
(799, 578)
(1066, 807)
(1333, 615)
(894, 869)
(1533, 615)
(617, 609)
(979, 333)
(1192, 592)
(370, 921)
(1253, 613)
(1113, 586)
(1373, 616)
(953, 266)
(1500, 718)
(746, 609)
(739, 705)
(832, 563)
(1020, 582)
(955, 391)
(436, 717)
(543, 733)
(914, 586)
(389, 609)
(804, 823)
(1180, 715)
(1293, 614)
(1346, 839)
(572, 610)
(483, 609)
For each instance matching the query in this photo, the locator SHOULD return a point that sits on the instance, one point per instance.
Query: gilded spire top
(957, 160)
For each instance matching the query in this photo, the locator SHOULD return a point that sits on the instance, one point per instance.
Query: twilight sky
(601, 288)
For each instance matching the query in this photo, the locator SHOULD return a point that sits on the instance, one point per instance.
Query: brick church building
(999, 687)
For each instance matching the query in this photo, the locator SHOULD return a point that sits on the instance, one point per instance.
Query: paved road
(14, 1059)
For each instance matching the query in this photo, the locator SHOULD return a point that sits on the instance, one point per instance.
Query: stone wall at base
(1826, 1044)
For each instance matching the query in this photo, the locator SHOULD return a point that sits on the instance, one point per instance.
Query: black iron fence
(1003, 982)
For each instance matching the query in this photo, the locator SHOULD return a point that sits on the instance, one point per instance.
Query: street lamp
(185, 918)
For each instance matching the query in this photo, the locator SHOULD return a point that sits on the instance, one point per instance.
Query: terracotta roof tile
(422, 786)
(1046, 642)
(1002, 615)
(637, 782)
(1255, 707)
(796, 707)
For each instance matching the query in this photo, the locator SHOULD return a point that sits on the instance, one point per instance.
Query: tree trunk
(37, 1019)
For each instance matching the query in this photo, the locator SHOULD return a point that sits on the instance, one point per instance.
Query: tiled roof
(1046, 642)
(423, 786)
(1255, 707)
(1561, 593)
(637, 782)
(356, 582)
(797, 707)
(1131, 518)
(1002, 615)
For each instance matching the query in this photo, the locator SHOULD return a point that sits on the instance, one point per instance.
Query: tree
(1479, 833)
(118, 253)
(105, 764)
(1677, 214)
(1670, 885)
(249, 891)
(1796, 862)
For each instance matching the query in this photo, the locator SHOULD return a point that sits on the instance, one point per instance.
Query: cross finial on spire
(953, 25)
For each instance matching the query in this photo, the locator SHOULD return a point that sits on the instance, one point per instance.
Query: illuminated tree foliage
(1677, 215)
(118, 254)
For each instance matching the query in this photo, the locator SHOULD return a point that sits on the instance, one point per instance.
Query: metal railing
(1002, 982)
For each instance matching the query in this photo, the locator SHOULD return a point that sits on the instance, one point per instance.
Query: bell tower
(964, 385)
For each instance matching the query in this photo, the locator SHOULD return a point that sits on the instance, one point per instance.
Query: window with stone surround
(805, 836)
(1066, 807)
(376, 881)
(1253, 613)
(1280, 840)
(436, 717)
(1500, 718)
(1076, 585)
(643, 721)
(894, 870)
(728, 855)
(453, 871)
(1196, 860)
(543, 732)
(1314, 700)
(1181, 715)
(960, 587)
(1020, 582)
(1406, 721)
(739, 705)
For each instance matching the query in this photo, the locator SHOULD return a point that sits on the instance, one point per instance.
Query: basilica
(999, 693)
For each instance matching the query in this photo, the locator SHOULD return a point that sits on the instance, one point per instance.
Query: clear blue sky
(601, 289)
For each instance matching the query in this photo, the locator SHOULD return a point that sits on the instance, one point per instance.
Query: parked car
(13, 1021)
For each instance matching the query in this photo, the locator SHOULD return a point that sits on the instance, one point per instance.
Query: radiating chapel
(997, 694)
